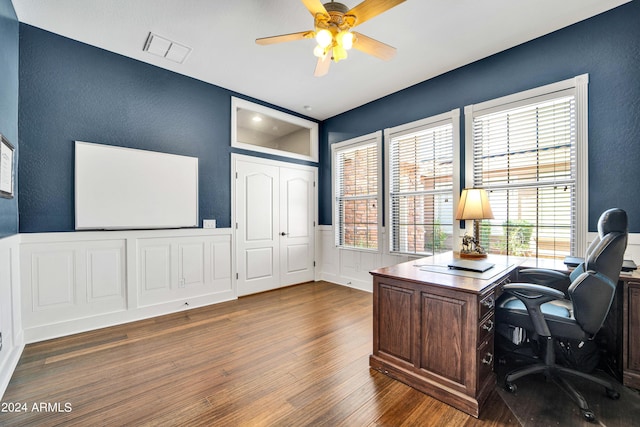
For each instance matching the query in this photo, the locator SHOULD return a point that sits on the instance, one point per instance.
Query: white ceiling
(432, 37)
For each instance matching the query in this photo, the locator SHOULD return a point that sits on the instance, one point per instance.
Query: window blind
(421, 189)
(526, 158)
(356, 195)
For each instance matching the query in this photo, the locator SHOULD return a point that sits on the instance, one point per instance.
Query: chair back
(592, 291)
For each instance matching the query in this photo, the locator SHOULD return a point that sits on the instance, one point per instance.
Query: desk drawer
(485, 359)
(486, 305)
(486, 328)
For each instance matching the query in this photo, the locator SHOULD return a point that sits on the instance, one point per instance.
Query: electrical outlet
(181, 283)
(209, 223)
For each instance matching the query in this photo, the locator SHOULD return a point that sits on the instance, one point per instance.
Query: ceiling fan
(333, 23)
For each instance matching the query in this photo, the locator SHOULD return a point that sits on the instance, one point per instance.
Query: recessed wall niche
(258, 128)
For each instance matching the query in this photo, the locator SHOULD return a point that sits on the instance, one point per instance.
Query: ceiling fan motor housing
(337, 18)
(334, 6)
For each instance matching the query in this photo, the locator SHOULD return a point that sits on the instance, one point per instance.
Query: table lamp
(474, 205)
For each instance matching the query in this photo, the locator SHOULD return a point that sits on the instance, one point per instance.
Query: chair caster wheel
(613, 394)
(589, 415)
(510, 387)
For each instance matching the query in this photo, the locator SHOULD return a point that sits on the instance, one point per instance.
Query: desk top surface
(434, 271)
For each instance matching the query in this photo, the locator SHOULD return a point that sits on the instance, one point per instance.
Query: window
(422, 175)
(356, 172)
(527, 151)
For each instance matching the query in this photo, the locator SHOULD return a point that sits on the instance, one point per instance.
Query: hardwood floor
(291, 357)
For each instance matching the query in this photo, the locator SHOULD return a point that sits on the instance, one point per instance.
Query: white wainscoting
(74, 282)
(10, 318)
(351, 267)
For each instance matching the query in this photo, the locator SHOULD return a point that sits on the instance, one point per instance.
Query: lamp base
(472, 255)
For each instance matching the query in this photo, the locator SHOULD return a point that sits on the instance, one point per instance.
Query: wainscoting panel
(52, 279)
(10, 317)
(73, 282)
(350, 267)
(191, 264)
(105, 274)
(185, 269)
(221, 262)
(155, 267)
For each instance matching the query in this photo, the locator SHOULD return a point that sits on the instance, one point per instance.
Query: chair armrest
(541, 276)
(533, 296)
(529, 291)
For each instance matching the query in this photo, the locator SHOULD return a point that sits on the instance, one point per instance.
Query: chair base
(554, 372)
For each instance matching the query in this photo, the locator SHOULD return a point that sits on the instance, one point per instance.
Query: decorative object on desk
(6, 168)
(474, 205)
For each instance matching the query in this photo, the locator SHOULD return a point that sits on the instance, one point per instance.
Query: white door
(274, 218)
(296, 226)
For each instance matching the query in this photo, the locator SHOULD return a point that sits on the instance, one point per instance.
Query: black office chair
(557, 279)
(550, 315)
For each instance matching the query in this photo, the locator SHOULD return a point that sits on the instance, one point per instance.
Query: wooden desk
(433, 330)
(631, 330)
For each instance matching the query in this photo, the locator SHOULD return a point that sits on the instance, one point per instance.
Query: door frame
(235, 157)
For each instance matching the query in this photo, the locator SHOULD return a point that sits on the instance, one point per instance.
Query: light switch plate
(209, 223)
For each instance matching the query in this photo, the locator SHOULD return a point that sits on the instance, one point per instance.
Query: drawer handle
(487, 359)
(488, 302)
(488, 326)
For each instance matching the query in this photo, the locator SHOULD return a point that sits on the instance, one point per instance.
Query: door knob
(283, 234)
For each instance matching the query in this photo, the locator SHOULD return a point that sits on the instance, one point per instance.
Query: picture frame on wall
(6, 168)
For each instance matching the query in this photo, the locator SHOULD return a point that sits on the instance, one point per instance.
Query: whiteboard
(125, 188)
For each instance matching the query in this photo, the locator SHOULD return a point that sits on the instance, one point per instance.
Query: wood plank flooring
(292, 357)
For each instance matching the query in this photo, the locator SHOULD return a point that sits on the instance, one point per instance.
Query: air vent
(166, 48)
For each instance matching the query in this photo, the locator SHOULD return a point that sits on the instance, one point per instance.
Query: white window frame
(349, 145)
(579, 86)
(452, 117)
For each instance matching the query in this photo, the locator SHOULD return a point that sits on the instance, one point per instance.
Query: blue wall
(9, 105)
(607, 47)
(71, 91)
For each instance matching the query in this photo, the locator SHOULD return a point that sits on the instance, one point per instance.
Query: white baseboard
(75, 326)
(362, 285)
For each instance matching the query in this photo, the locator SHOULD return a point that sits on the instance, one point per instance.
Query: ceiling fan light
(319, 51)
(345, 39)
(339, 53)
(324, 38)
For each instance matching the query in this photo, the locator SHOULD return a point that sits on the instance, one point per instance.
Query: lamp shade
(474, 204)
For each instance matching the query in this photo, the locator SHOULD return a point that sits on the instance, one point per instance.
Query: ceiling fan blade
(315, 7)
(285, 38)
(322, 66)
(371, 8)
(373, 47)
